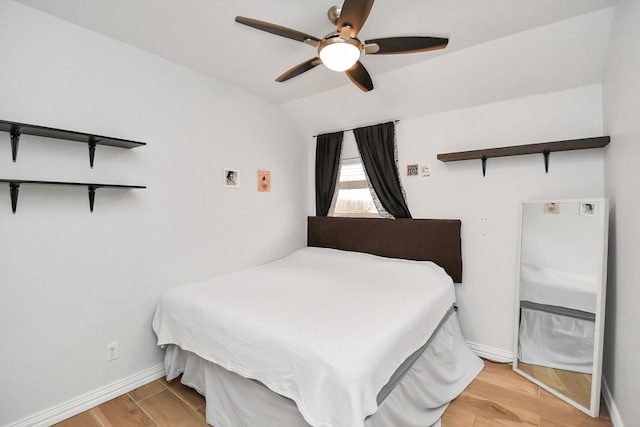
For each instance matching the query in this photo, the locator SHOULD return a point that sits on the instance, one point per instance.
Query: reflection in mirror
(560, 298)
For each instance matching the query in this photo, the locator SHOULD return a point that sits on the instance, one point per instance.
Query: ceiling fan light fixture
(338, 54)
(340, 50)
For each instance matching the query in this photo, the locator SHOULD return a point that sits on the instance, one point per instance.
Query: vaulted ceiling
(202, 34)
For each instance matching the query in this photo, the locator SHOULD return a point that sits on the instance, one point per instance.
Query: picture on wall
(412, 170)
(552, 208)
(264, 181)
(231, 178)
(588, 209)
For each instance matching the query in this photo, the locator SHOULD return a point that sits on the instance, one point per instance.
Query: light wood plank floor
(497, 397)
(500, 397)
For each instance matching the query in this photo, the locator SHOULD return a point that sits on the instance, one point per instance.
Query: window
(354, 198)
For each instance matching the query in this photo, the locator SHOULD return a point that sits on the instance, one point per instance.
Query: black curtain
(377, 149)
(328, 149)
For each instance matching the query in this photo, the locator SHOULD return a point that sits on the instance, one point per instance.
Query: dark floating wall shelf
(544, 148)
(14, 187)
(17, 129)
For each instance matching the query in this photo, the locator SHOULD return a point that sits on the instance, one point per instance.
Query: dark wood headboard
(436, 240)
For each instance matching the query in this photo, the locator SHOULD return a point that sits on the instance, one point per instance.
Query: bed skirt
(442, 372)
(556, 341)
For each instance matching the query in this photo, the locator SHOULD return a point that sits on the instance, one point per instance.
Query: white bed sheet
(559, 288)
(322, 327)
(440, 374)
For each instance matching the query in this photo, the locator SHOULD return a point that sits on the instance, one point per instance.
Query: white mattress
(559, 288)
(325, 328)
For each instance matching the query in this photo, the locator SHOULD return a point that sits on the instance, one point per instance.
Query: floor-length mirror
(561, 298)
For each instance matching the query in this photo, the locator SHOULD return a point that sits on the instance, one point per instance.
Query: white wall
(489, 207)
(621, 90)
(437, 115)
(72, 281)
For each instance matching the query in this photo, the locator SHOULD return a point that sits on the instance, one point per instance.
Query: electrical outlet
(112, 351)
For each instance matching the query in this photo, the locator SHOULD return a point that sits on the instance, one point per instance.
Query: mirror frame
(603, 228)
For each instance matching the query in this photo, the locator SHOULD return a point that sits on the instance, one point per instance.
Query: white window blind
(354, 198)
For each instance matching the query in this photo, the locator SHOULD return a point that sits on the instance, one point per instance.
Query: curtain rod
(347, 130)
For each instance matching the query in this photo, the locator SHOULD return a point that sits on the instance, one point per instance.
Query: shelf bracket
(92, 150)
(484, 165)
(15, 141)
(92, 196)
(14, 187)
(546, 160)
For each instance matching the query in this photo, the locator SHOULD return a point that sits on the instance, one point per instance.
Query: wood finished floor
(497, 397)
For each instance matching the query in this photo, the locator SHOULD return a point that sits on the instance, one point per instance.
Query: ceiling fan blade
(394, 45)
(360, 77)
(279, 30)
(299, 69)
(354, 14)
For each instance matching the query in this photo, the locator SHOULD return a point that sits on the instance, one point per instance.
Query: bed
(557, 318)
(358, 329)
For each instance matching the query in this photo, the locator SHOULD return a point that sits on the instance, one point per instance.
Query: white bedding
(559, 288)
(440, 374)
(556, 341)
(325, 328)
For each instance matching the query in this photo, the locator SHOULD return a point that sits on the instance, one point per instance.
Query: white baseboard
(490, 353)
(614, 414)
(91, 399)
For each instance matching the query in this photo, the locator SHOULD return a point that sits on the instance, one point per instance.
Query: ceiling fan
(341, 50)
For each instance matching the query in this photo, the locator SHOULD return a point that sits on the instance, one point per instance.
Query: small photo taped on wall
(552, 208)
(264, 181)
(588, 209)
(231, 178)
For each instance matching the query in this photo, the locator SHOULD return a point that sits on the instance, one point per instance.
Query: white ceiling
(202, 34)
